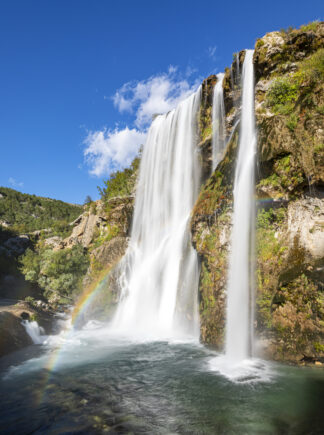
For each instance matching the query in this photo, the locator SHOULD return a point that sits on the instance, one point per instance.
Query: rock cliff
(289, 108)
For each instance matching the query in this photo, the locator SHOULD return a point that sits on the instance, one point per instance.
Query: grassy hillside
(26, 213)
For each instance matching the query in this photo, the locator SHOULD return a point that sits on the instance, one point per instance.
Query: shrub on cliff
(56, 272)
(285, 92)
(120, 183)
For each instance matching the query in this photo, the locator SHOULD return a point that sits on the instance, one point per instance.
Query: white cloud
(15, 183)
(211, 51)
(172, 69)
(110, 150)
(157, 94)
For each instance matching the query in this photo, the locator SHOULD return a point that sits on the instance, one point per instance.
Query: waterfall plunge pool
(92, 381)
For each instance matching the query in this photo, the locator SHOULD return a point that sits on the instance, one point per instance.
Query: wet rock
(13, 335)
(290, 177)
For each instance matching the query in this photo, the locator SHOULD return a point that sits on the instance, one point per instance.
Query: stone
(13, 335)
(306, 224)
(54, 242)
(17, 245)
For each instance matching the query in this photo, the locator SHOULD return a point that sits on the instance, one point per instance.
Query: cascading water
(240, 285)
(159, 273)
(35, 332)
(235, 71)
(218, 121)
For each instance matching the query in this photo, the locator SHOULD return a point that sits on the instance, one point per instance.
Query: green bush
(266, 218)
(312, 68)
(282, 95)
(285, 92)
(120, 183)
(56, 271)
(259, 43)
(310, 26)
(292, 122)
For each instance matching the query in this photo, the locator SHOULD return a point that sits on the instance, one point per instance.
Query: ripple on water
(101, 382)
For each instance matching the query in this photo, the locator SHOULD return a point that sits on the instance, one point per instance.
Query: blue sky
(79, 80)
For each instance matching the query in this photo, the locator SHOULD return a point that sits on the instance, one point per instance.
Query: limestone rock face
(276, 48)
(289, 321)
(306, 222)
(110, 243)
(83, 230)
(110, 251)
(96, 221)
(105, 257)
(54, 242)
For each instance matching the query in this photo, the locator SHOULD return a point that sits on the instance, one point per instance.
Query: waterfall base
(246, 371)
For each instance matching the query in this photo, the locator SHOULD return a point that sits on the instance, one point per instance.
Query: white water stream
(35, 332)
(218, 122)
(240, 285)
(159, 273)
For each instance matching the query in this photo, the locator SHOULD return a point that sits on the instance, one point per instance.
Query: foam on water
(246, 371)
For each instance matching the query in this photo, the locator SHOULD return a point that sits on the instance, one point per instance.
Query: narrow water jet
(240, 283)
(159, 273)
(218, 122)
(235, 71)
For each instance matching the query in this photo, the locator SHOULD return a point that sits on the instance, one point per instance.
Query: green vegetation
(312, 68)
(318, 347)
(112, 231)
(312, 26)
(282, 95)
(56, 272)
(292, 122)
(285, 92)
(88, 200)
(259, 43)
(120, 183)
(320, 109)
(205, 122)
(270, 254)
(296, 318)
(286, 176)
(206, 132)
(26, 213)
(266, 218)
(319, 148)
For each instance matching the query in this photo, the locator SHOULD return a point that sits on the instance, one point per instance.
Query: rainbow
(89, 295)
(83, 303)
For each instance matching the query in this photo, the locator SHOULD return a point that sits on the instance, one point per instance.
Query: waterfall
(240, 282)
(218, 121)
(235, 71)
(35, 332)
(159, 273)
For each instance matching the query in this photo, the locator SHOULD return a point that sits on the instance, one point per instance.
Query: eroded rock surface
(289, 104)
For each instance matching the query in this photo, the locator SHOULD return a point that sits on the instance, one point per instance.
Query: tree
(88, 200)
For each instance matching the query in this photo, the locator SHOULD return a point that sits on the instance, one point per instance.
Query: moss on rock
(289, 100)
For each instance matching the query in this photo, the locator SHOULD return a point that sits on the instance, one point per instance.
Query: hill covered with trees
(24, 213)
